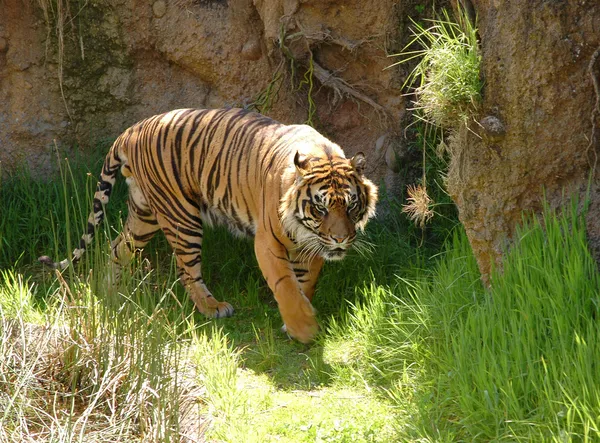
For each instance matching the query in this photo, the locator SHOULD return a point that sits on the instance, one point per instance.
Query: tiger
(287, 186)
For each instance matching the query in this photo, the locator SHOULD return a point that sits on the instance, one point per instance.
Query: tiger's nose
(338, 238)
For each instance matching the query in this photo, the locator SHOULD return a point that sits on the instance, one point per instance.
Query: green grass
(39, 216)
(515, 362)
(522, 360)
(446, 78)
(411, 348)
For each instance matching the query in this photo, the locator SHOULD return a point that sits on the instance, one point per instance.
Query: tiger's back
(218, 159)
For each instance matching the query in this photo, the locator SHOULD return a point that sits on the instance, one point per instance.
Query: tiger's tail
(112, 163)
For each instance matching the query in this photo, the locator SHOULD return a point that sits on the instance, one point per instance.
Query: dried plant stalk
(419, 206)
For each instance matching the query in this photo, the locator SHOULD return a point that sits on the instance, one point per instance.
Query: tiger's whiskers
(364, 248)
(309, 248)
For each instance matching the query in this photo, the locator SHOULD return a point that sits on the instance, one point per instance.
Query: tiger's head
(328, 200)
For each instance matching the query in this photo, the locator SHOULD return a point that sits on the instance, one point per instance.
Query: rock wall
(534, 129)
(123, 60)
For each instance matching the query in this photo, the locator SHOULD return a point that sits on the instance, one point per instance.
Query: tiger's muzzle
(337, 233)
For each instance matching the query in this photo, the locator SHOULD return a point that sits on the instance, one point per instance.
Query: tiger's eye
(321, 209)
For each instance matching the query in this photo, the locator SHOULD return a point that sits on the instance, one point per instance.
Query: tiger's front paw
(300, 321)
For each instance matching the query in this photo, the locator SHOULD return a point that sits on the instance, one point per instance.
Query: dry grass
(89, 373)
(419, 205)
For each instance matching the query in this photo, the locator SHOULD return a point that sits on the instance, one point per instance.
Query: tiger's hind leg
(185, 238)
(139, 228)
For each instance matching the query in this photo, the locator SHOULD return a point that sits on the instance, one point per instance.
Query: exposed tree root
(341, 88)
(327, 37)
(312, 40)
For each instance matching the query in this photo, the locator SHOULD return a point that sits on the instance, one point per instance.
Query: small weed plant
(446, 79)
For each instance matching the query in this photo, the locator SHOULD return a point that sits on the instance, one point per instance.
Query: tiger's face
(333, 218)
(329, 201)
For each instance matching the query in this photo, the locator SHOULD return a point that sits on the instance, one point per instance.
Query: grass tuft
(446, 78)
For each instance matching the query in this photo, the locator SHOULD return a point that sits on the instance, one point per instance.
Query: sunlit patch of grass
(17, 298)
(517, 361)
(244, 405)
(332, 415)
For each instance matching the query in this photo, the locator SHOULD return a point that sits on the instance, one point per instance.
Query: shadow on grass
(233, 275)
(36, 219)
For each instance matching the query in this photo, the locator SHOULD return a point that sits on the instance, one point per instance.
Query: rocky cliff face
(534, 132)
(80, 72)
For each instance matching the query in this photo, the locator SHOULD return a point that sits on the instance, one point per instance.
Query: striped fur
(286, 185)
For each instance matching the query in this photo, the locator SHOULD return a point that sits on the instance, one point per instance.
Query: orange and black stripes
(286, 184)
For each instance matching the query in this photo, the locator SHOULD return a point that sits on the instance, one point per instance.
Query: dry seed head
(419, 205)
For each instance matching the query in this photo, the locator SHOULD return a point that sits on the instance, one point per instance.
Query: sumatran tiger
(286, 185)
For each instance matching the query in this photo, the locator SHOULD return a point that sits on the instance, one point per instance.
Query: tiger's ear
(359, 162)
(302, 164)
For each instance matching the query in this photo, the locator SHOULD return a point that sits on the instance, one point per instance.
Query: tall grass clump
(521, 362)
(363, 346)
(446, 80)
(82, 360)
(97, 364)
(517, 361)
(385, 342)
